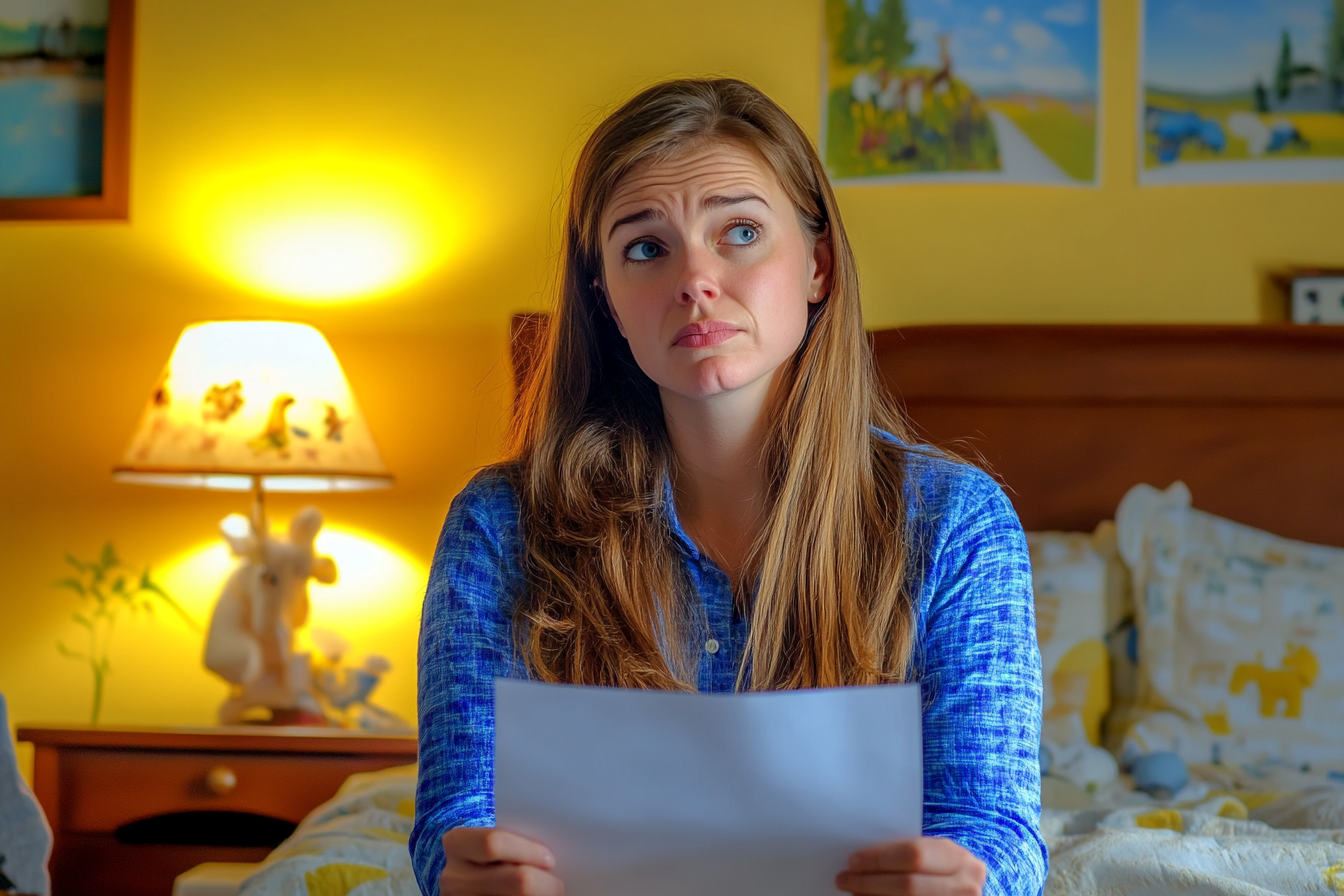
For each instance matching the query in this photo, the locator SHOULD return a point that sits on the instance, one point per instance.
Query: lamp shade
(244, 399)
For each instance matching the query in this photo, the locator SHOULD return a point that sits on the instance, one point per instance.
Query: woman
(709, 491)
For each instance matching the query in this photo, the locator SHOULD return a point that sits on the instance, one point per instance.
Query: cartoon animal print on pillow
(1241, 633)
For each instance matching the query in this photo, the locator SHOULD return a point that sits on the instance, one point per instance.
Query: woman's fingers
(493, 862)
(928, 866)
(925, 855)
(484, 846)
(903, 884)
(505, 879)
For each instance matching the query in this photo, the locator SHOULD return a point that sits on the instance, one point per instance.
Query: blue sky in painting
(1214, 46)
(82, 12)
(999, 46)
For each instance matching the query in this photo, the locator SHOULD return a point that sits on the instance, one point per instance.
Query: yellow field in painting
(1208, 107)
(1323, 131)
(1065, 132)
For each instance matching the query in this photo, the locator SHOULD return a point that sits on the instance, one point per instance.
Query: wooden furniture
(132, 808)
(1251, 418)
(1069, 417)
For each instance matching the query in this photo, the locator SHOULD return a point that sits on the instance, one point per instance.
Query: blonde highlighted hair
(606, 600)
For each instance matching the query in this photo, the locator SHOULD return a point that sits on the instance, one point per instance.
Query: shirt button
(712, 646)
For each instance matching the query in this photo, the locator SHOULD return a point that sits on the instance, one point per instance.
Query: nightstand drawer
(104, 789)
(95, 782)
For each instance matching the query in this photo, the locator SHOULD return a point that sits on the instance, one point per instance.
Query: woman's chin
(715, 377)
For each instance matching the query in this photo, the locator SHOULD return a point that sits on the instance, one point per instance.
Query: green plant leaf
(73, 584)
(109, 557)
(71, 654)
(119, 586)
(149, 585)
(82, 620)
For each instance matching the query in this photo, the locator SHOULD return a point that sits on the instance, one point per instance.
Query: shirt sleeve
(465, 643)
(980, 671)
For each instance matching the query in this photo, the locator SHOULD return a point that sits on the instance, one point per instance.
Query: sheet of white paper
(657, 793)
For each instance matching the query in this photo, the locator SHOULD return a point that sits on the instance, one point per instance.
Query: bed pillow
(1069, 579)
(1122, 640)
(1241, 633)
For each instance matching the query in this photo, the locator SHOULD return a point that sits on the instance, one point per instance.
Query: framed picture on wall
(65, 71)
(979, 91)
(1241, 91)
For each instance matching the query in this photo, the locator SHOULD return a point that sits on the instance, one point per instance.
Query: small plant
(107, 586)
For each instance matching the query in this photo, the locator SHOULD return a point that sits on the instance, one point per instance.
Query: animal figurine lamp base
(250, 642)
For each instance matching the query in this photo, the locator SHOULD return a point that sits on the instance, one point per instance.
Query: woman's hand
(922, 867)
(495, 862)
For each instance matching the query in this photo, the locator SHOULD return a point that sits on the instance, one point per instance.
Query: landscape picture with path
(976, 90)
(1242, 91)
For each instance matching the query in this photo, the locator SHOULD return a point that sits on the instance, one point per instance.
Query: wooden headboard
(1251, 418)
(1068, 418)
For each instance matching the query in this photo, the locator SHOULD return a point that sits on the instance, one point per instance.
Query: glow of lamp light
(378, 585)
(321, 257)
(325, 228)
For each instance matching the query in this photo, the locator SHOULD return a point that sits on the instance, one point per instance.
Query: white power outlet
(1318, 300)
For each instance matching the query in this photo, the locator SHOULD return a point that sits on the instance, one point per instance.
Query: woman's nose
(699, 276)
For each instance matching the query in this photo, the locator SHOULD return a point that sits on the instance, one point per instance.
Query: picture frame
(112, 202)
(1259, 99)
(977, 91)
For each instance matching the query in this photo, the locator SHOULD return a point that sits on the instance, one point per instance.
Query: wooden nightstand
(132, 808)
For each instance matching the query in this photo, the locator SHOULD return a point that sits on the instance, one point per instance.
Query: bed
(1070, 419)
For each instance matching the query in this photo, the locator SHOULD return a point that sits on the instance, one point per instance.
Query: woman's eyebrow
(710, 202)
(648, 214)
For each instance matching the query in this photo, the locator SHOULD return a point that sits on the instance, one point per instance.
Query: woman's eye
(644, 250)
(743, 235)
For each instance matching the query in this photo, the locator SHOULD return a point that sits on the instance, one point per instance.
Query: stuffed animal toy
(346, 690)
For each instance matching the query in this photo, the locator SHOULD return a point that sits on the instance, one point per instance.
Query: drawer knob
(221, 780)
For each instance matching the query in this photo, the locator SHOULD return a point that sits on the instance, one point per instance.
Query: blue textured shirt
(975, 657)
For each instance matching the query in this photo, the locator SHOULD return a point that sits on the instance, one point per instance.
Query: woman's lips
(708, 332)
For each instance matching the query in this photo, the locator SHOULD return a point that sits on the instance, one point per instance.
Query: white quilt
(1192, 852)
(356, 845)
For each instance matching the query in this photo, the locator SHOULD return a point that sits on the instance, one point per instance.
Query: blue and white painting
(1242, 91)
(969, 90)
(52, 85)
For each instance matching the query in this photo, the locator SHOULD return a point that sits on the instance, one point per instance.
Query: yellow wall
(454, 122)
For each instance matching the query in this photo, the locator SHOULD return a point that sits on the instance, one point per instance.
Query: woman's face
(707, 270)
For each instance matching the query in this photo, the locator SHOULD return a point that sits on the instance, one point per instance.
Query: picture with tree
(991, 91)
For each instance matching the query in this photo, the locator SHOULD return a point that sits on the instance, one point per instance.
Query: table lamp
(260, 406)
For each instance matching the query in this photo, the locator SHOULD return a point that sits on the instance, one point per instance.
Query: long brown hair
(606, 599)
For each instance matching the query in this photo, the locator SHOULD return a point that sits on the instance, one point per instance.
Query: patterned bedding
(1255, 838)
(355, 843)
(1129, 852)
(1254, 843)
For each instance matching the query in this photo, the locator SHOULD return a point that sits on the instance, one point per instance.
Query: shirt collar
(677, 531)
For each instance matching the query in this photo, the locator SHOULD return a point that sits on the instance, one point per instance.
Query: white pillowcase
(1068, 578)
(1241, 633)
